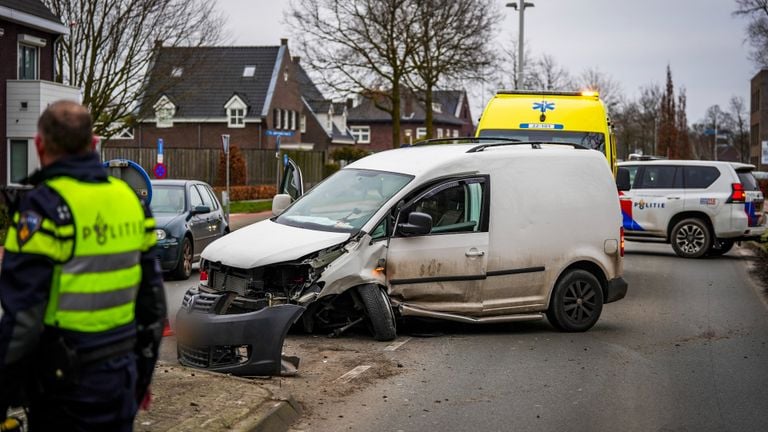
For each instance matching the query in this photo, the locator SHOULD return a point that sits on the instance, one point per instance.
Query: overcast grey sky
(632, 41)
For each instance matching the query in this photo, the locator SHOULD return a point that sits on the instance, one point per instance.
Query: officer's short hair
(65, 127)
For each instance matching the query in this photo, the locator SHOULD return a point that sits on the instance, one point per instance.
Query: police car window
(659, 177)
(748, 181)
(700, 177)
(194, 197)
(632, 169)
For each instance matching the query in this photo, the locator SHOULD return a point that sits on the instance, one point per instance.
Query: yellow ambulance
(569, 117)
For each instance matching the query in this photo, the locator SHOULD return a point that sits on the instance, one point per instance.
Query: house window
(295, 120)
(28, 67)
(421, 132)
(276, 118)
(437, 107)
(284, 115)
(236, 117)
(455, 133)
(249, 71)
(177, 72)
(439, 132)
(19, 160)
(303, 124)
(362, 134)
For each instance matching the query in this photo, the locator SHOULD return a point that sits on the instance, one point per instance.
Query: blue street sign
(160, 146)
(278, 133)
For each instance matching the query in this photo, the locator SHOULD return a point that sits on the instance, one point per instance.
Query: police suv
(700, 207)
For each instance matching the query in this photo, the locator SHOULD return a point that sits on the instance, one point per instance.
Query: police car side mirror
(418, 224)
(622, 180)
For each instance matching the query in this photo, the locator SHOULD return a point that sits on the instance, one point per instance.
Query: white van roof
(418, 160)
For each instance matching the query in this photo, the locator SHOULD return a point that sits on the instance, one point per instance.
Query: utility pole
(520, 6)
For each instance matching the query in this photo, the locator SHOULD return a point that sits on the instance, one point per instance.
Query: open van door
(293, 182)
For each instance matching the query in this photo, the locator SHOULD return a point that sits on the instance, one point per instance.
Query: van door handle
(474, 253)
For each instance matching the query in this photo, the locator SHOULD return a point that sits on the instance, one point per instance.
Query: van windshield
(345, 201)
(590, 140)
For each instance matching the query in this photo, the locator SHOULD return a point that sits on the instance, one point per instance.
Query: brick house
(758, 124)
(29, 35)
(193, 95)
(372, 127)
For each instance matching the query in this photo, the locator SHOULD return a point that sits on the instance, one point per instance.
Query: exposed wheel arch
(589, 266)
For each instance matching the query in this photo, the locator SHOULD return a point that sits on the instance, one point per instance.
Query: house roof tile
(32, 7)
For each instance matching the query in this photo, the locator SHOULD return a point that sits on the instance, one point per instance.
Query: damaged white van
(485, 232)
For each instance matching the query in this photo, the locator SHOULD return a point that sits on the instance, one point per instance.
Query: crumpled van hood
(267, 242)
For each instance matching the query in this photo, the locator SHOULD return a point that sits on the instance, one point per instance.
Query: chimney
(350, 103)
(284, 42)
(296, 60)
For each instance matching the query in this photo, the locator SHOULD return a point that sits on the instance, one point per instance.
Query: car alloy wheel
(690, 239)
(579, 301)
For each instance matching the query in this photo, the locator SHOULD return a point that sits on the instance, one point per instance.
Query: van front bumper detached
(241, 344)
(617, 289)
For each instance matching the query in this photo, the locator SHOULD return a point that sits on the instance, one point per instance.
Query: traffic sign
(225, 143)
(278, 133)
(160, 144)
(159, 170)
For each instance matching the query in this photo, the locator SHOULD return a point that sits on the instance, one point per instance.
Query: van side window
(660, 177)
(454, 209)
(699, 177)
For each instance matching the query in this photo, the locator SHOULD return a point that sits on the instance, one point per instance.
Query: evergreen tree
(683, 147)
(667, 129)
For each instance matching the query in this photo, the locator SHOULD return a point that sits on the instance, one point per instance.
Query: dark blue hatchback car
(188, 218)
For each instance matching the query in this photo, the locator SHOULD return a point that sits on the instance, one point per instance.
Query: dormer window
(177, 72)
(164, 112)
(437, 107)
(249, 71)
(236, 109)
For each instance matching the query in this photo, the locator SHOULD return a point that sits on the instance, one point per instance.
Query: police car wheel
(576, 303)
(184, 267)
(691, 238)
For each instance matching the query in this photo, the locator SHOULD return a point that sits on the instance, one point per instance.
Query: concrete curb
(277, 417)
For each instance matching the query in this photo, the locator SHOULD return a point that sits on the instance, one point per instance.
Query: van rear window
(590, 140)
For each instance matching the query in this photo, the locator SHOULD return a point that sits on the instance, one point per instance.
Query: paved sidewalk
(240, 220)
(186, 399)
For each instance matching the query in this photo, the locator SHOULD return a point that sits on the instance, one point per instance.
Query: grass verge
(250, 206)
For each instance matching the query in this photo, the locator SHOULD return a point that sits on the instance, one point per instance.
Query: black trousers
(104, 399)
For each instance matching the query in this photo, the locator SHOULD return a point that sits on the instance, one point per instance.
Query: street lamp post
(520, 6)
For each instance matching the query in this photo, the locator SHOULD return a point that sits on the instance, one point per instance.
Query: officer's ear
(39, 146)
(95, 141)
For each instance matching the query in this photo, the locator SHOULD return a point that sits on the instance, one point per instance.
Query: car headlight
(161, 235)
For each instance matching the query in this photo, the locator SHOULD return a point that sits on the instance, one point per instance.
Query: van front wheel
(379, 311)
(576, 302)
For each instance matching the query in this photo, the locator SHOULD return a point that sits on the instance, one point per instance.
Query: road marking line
(354, 373)
(396, 345)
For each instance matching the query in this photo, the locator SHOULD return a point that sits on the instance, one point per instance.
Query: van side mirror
(418, 224)
(622, 180)
(280, 202)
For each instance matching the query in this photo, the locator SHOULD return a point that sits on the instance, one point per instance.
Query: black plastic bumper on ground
(240, 344)
(617, 289)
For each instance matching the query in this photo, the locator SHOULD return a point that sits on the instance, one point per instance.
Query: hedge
(245, 193)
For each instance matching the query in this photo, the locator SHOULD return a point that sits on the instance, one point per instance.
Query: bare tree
(451, 42)
(683, 144)
(609, 89)
(359, 46)
(738, 111)
(507, 76)
(547, 74)
(756, 11)
(112, 43)
(649, 105)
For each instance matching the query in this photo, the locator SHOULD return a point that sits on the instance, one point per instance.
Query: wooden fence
(203, 164)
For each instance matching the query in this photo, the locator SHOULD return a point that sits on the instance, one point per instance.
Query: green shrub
(247, 193)
(330, 168)
(236, 168)
(349, 154)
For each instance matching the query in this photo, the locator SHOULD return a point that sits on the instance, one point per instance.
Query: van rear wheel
(691, 238)
(379, 312)
(576, 302)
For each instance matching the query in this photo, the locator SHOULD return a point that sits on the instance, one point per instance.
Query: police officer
(80, 287)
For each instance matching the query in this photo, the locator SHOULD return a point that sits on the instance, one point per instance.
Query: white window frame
(276, 117)
(18, 61)
(303, 124)
(236, 110)
(439, 132)
(164, 112)
(362, 134)
(455, 133)
(421, 133)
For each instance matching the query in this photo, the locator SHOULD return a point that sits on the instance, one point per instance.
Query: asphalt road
(686, 350)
